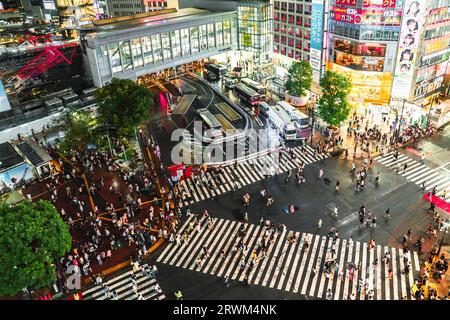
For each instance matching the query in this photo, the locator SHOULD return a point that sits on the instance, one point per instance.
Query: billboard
(373, 17)
(379, 3)
(412, 23)
(4, 103)
(317, 11)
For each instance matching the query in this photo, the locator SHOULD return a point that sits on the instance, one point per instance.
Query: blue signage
(4, 103)
(317, 24)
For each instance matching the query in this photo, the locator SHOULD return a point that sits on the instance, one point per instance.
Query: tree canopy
(123, 104)
(81, 130)
(32, 237)
(333, 104)
(299, 78)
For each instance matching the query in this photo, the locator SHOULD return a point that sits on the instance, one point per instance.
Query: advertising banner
(317, 11)
(412, 23)
(374, 17)
(4, 103)
(379, 3)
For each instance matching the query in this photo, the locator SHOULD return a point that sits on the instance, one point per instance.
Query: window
(147, 49)
(203, 38)
(156, 44)
(176, 46)
(194, 39)
(136, 51)
(211, 36)
(114, 57)
(219, 34)
(185, 44)
(227, 32)
(165, 43)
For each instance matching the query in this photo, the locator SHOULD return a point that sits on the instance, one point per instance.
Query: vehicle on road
(247, 95)
(283, 122)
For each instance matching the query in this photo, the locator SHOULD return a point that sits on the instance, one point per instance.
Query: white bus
(256, 86)
(301, 120)
(283, 122)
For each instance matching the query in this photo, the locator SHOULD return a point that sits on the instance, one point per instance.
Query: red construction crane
(50, 56)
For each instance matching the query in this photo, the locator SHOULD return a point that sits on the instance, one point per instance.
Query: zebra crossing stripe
(341, 265)
(424, 177)
(323, 277)
(191, 258)
(296, 259)
(412, 170)
(347, 271)
(214, 232)
(273, 260)
(235, 243)
(394, 277)
(288, 263)
(207, 265)
(286, 266)
(378, 273)
(279, 263)
(170, 246)
(263, 265)
(363, 269)
(250, 245)
(311, 262)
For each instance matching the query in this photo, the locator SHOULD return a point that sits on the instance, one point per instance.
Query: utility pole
(429, 113)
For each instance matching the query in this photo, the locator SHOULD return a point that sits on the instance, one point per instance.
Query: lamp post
(400, 123)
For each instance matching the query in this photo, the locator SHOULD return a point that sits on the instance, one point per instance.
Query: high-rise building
(424, 50)
(392, 50)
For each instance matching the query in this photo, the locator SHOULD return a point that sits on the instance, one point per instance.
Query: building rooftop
(155, 18)
(8, 156)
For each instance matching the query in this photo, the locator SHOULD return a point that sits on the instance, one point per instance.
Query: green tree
(299, 78)
(333, 104)
(123, 104)
(32, 237)
(81, 130)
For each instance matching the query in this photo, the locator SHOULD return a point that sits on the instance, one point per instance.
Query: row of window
(293, 19)
(292, 7)
(365, 33)
(293, 31)
(437, 32)
(153, 49)
(289, 52)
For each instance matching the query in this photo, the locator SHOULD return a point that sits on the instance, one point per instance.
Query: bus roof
(282, 114)
(251, 82)
(184, 104)
(293, 111)
(246, 89)
(210, 120)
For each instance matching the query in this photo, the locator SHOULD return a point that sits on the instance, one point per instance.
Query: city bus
(214, 72)
(210, 122)
(247, 95)
(255, 86)
(282, 121)
(301, 120)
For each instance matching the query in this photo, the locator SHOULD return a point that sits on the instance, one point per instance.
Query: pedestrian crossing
(272, 259)
(418, 173)
(123, 286)
(245, 173)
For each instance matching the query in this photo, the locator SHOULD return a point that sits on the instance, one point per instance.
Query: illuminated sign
(317, 10)
(346, 2)
(379, 3)
(49, 5)
(407, 54)
(378, 17)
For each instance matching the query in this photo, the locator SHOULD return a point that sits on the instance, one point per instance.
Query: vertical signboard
(4, 103)
(317, 11)
(412, 22)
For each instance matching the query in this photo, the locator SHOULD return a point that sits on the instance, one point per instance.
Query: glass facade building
(170, 40)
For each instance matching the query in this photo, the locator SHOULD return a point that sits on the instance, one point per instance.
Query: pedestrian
(320, 174)
(337, 185)
(227, 281)
(178, 295)
(319, 223)
(329, 295)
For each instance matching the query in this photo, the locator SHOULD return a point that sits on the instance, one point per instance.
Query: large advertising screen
(359, 62)
(4, 103)
(412, 23)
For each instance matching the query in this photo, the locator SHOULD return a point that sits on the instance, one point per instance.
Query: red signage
(379, 3)
(379, 17)
(346, 2)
